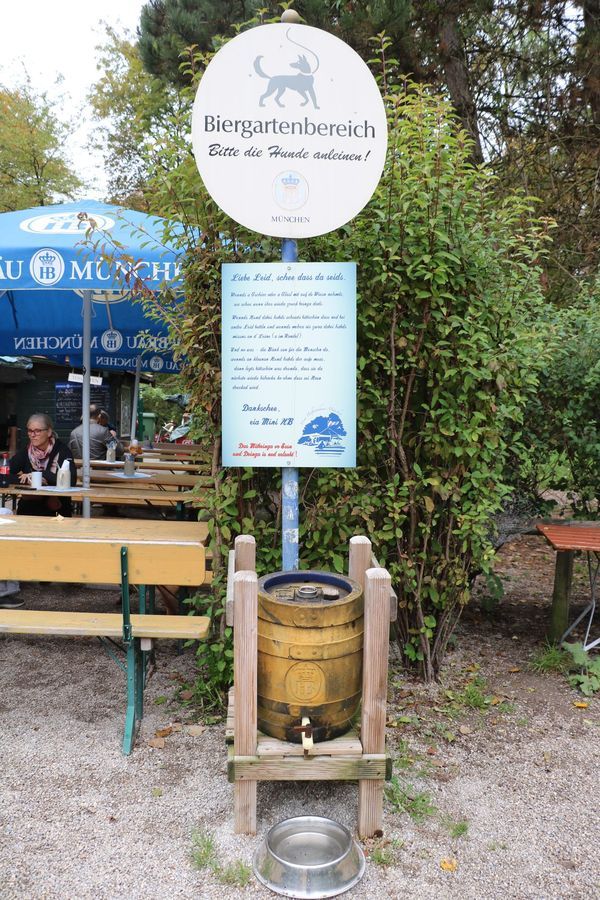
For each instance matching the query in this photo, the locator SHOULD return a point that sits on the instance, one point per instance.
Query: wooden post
(374, 694)
(245, 553)
(242, 559)
(359, 559)
(563, 575)
(244, 679)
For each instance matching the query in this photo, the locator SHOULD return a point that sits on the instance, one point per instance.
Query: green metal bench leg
(134, 714)
(135, 661)
(140, 680)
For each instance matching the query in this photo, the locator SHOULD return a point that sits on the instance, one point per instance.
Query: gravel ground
(508, 791)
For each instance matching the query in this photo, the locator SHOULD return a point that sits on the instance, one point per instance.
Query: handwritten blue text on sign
(289, 364)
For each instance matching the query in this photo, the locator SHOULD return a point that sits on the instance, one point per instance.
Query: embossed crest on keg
(305, 681)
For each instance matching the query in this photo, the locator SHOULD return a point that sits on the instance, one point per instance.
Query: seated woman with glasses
(44, 453)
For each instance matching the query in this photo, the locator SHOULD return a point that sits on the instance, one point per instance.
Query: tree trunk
(589, 56)
(454, 63)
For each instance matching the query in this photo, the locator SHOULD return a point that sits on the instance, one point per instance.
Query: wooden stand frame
(256, 757)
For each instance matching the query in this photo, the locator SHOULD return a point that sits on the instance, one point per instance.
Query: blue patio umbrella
(69, 293)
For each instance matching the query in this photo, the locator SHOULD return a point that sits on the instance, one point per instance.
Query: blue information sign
(289, 364)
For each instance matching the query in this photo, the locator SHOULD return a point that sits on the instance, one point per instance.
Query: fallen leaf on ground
(177, 726)
(464, 729)
(195, 730)
(514, 669)
(448, 865)
(186, 695)
(157, 792)
(580, 704)
(164, 732)
(158, 743)
(495, 701)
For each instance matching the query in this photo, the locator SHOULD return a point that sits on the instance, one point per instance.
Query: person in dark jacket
(100, 437)
(44, 453)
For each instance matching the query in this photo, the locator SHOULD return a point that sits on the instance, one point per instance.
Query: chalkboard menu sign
(68, 402)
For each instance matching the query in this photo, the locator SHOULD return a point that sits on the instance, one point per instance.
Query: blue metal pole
(289, 477)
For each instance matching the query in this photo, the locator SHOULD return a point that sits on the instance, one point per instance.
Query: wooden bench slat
(82, 624)
(181, 628)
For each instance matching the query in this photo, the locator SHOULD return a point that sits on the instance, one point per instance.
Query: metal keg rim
(268, 583)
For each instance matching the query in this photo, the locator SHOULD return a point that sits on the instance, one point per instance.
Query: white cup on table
(36, 480)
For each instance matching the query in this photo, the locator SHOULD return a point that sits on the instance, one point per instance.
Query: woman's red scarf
(39, 458)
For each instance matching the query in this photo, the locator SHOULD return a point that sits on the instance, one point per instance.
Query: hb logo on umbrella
(47, 267)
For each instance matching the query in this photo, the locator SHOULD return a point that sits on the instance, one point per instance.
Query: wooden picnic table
(567, 539)
(168, 450)
(145, 465)
(163, 481)
(151, 496)
(73, 539)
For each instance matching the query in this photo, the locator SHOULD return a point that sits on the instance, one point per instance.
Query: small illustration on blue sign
(324, 435)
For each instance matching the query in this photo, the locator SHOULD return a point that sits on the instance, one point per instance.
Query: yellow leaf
(580, 704)
(429, 504)
(448, 865)
(158, 743)
(163, 732)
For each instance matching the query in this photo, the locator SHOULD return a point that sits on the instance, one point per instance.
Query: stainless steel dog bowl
(309, 857)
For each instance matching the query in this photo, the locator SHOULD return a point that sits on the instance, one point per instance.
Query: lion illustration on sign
(301, 82)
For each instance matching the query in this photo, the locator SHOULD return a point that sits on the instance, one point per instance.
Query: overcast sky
(58, 38)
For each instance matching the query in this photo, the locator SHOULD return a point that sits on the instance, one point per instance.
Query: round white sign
(289, 131)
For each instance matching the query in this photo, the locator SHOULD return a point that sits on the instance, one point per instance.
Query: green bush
(449, 294)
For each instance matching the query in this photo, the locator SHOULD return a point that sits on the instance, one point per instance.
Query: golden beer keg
(310, 642)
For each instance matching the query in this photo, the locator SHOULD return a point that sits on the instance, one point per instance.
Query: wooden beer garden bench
(110, 551)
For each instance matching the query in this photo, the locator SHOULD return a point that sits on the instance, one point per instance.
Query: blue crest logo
(47, 267)
(111, 340)
(290, 190)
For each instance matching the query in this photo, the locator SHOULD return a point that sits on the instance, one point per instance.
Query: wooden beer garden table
(173, 466)
(162, 481)
(125, 495)
(182, 452)
(77, 536)
(568, 539)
